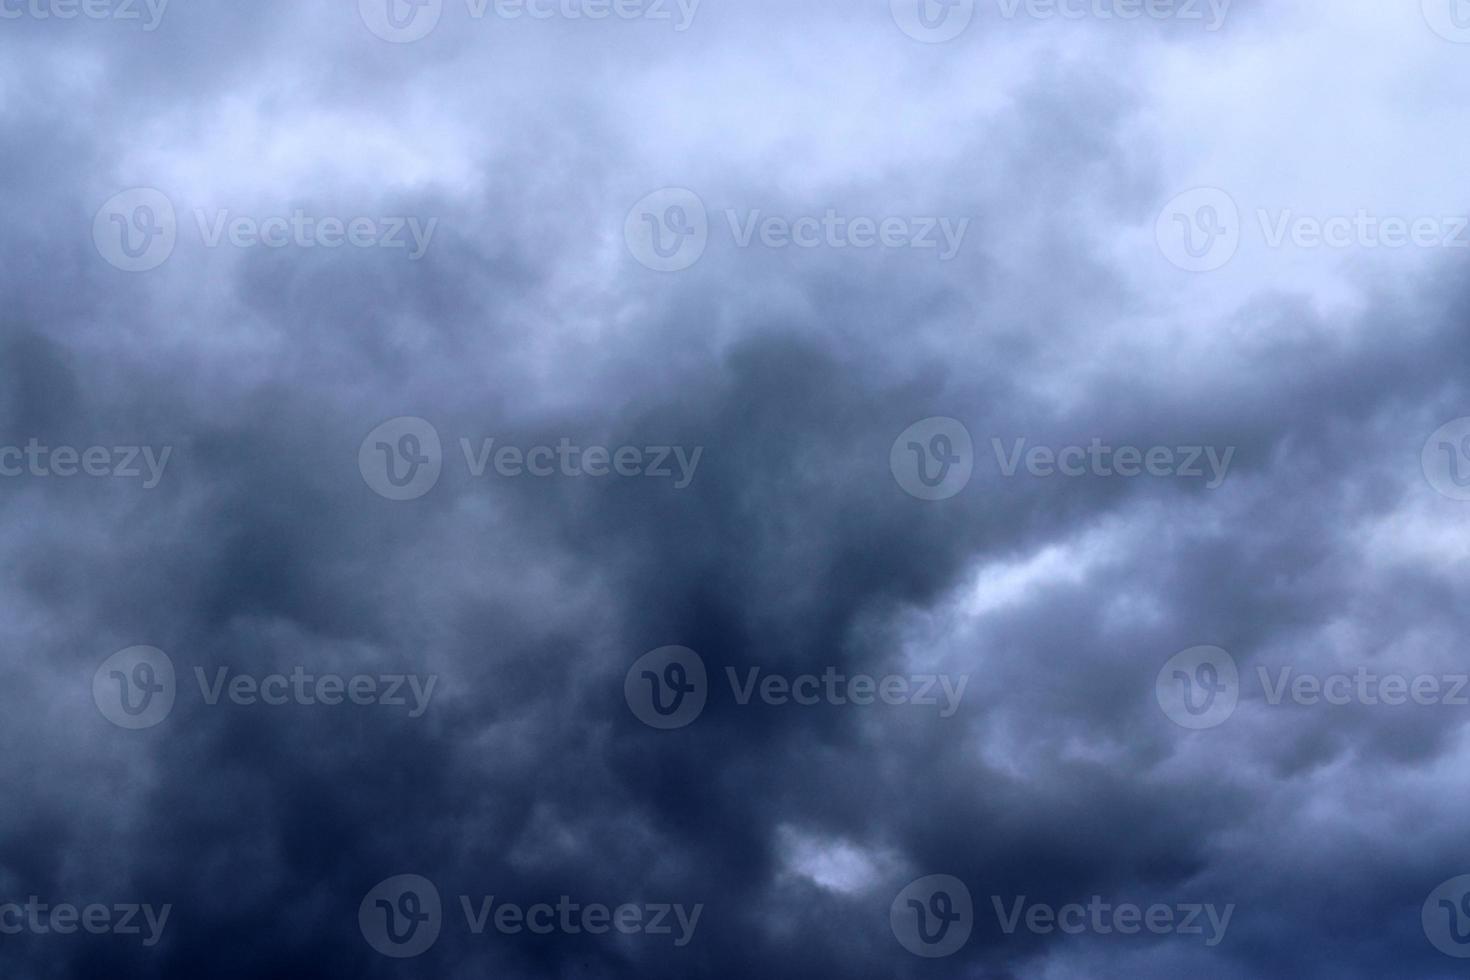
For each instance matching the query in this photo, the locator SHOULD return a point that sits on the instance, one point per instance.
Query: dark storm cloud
(792, 549)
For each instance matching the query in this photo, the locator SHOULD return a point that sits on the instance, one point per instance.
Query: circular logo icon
(401, 21)
(135, 688)
(1199, 231)
(1450, 19)
(1446, 917)
(667, 688)
(932, 21)
(932, 917)
(1446, 459)
(136, 230)
(933, 459)
(401, 916)
(1199, 687)
(668, 230)
(401, 459)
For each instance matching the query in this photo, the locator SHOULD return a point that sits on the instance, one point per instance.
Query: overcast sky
(742, 458)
